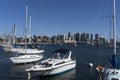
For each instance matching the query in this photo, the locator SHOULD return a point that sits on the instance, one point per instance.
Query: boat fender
(90, 65)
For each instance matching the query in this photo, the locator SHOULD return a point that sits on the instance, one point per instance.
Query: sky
(52, 17)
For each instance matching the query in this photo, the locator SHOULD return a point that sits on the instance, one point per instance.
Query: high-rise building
(83, 37)
(96, 37)
(77, 37)
(91, 37)
(69, 36)
(87, 37)
(54, 39)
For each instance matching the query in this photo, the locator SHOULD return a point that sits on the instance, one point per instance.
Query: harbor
(82, 53)
(59, 40)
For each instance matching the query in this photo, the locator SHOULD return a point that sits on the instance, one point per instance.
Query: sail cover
(114, 61)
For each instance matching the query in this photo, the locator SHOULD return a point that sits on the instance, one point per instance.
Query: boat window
(21, 54)
(114, 79)
(113, 72)
(57, 55)
(46, 64)
(66, 55)
(116, 72)
(59, 63)
(30, 47)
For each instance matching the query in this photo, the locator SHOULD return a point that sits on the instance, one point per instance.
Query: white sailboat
(22, 50)
(112, 73)
(7, 47)
(29, 50)
(26, 58)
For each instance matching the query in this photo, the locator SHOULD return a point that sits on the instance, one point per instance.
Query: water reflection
(65, 76)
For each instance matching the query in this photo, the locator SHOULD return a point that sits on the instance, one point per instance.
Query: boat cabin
(62, 54)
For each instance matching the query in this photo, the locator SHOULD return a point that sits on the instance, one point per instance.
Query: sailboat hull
(30, 51)
(26, 59)
(23, 51)
(112, 74)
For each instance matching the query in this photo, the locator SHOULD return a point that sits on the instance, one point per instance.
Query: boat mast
(114, 26)
(29, 30)
(13, 34)
(26, 28)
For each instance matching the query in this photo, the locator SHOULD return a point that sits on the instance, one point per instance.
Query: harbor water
(82, 53)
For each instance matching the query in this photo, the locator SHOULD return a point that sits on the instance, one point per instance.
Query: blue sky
(52, 17)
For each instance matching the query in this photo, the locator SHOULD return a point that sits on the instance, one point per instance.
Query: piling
(29, 76)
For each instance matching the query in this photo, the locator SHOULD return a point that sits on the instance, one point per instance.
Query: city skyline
(59, 38)
(51, 17)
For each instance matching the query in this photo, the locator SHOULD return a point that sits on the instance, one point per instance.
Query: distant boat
(75, 44)
(111, 45)
(21, 49)
(90, 43)
(59, 63)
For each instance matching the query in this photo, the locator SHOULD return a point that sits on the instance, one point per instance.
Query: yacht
(60, 62)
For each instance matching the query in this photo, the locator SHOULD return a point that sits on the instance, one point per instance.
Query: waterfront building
(83, 37)
(87, 37)
(62, 38)
(91, 38)
(77, 37)
(96, 38)
(54, 39)
(69, 36)
(102, 40)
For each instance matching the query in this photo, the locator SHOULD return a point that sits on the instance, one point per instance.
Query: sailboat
(22, 50)
(114, 72)
(26, 58)
(30, 49)
(111, 40)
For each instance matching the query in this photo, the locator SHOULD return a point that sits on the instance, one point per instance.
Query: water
(83, 53)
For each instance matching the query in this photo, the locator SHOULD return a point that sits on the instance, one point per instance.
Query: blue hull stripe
(53, 74)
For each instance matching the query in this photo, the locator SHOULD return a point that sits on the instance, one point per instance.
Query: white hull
(112, 74)
(60, 62)
(26, 59)
(54, 71)
(28, 51)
